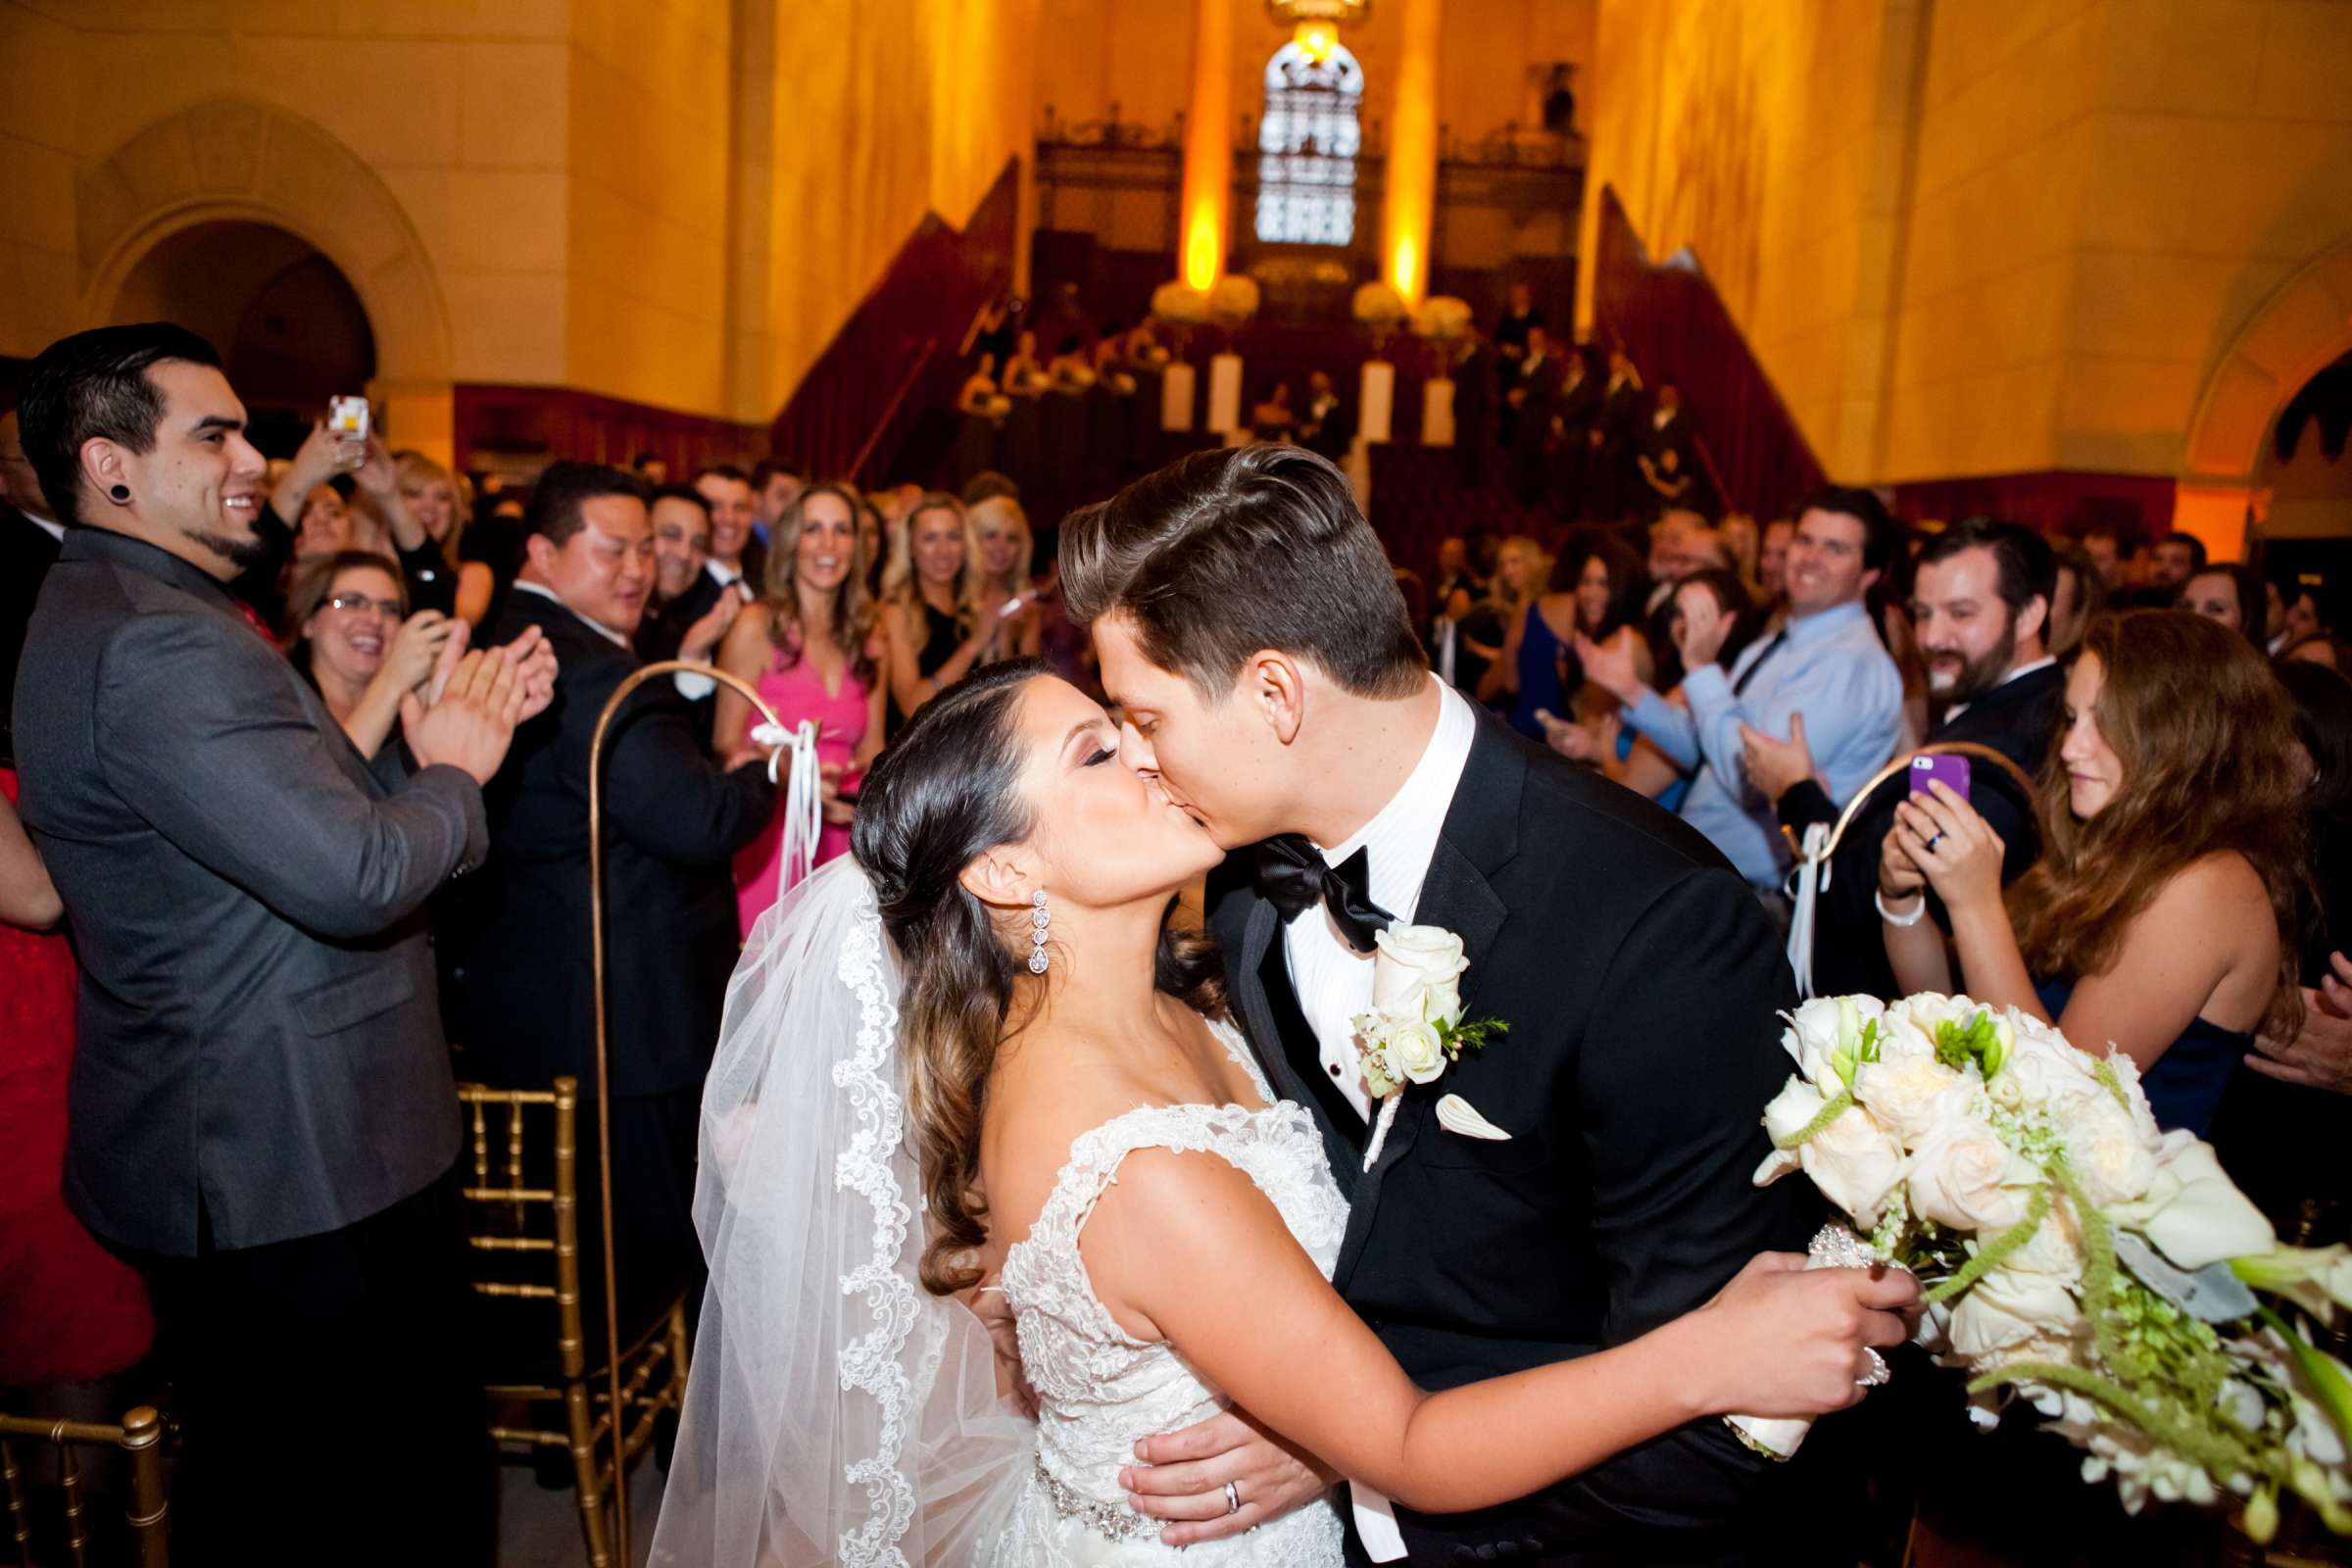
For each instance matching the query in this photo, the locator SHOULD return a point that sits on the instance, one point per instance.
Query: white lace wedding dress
(837, 1414)
(1101, 1390)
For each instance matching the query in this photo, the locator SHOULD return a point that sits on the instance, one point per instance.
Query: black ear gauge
(121, 492)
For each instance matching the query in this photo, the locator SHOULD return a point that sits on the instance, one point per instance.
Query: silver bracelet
(1900, 921)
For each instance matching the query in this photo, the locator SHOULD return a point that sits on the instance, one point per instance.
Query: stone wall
(670, 202)
(2107, 235)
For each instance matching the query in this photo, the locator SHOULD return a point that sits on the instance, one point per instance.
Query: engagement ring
(1876, 1372)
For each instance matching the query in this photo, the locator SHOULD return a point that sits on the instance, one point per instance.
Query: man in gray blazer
(261, 1110)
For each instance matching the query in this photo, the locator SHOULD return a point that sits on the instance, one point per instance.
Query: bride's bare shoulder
(1043, 1095)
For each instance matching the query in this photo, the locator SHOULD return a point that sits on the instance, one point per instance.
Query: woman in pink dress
(805, 646)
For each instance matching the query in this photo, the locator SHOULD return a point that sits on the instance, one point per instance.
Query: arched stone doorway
(289, 326)
(234, 164)
(2305, 325)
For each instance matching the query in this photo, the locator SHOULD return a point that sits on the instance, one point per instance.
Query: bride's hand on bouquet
(1181, 1477)
(1785, 1341)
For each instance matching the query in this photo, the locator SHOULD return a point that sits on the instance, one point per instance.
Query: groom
(1252, 637)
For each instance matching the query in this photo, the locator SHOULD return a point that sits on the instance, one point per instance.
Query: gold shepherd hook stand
(616, 1424)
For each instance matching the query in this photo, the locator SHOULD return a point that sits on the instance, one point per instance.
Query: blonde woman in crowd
(1521, 569)
(932, 613)
(1008, 558)
(441, 502)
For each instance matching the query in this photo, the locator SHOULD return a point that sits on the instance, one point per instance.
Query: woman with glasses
(358, 644)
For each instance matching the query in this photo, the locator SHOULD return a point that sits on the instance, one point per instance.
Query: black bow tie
(1291, 874)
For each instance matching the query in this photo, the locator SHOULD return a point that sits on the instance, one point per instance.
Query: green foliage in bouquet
(2159, 1363)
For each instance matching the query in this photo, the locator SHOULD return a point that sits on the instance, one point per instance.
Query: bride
(1039, 1096)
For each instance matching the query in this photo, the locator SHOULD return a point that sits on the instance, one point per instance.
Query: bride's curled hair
(945, 791)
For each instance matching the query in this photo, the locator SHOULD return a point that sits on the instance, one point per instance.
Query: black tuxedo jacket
(1577, 406)
(673, 823)
(1675, 433)
(1642, 984)
(1334, 434)
(2019, 720)
(26, 552)
(663, 631)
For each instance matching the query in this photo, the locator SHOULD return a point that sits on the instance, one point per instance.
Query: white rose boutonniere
(1414, 1029)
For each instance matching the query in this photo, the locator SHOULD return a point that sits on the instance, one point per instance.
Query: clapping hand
(417, 647)
(1774, 767)
(1703, 628)
(1953, 847)
(535, 670)
(2320, 1055)
(1610, 665)
(710, 628)
(470, 724)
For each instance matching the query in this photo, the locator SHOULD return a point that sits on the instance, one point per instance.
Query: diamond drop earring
(1039, 919)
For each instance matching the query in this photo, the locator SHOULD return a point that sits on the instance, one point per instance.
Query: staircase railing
(886, 422)
(884, 365)
(1674, 325)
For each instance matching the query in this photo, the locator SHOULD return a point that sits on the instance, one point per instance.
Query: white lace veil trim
(837, 1412)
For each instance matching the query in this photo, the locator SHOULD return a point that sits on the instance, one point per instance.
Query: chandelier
(1317, 22)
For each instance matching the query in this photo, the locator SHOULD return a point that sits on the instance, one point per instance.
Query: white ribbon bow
(804, 796)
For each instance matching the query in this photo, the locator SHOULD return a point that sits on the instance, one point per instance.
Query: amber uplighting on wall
(1412, 171)
(1208, 147)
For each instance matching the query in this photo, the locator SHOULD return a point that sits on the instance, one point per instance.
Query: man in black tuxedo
(1253, 639)
(1541, 380)
(736, 552)
(1574, 413)
(1980, 601)
(1519, 318)
(673, 821)
(1326, 425)
(1473, 409)
(30, 540)
(1612, 477)
(261, 1113)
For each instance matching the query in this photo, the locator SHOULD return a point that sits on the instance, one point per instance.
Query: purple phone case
(1951, 770)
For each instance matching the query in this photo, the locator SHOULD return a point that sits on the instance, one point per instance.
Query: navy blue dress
(2184, 1087)
(1539, 676)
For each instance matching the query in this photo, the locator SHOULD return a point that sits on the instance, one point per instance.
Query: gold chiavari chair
(530, 1235)
(139, 1436)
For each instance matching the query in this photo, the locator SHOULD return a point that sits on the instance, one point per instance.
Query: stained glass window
(1306, 147)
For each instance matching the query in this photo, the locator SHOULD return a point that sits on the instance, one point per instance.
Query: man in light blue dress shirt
(1826, 664)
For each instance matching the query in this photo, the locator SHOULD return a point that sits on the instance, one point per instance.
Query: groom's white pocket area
(1457, 1115)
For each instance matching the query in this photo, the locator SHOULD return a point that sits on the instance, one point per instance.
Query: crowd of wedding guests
(1070, 407)
(2161, 862)
(370, 574)
(2151, 846)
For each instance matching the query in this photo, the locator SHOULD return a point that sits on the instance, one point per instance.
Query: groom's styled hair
(1222, 554)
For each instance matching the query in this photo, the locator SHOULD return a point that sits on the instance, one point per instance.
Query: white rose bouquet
(2071, 1256)
(1413, 1029)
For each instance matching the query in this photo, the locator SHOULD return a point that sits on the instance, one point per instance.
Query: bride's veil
(835, 1411)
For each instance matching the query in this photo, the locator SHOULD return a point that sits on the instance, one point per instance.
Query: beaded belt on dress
(1114, 1521)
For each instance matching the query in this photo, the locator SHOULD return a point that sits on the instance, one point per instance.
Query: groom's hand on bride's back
(1181, 1477)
